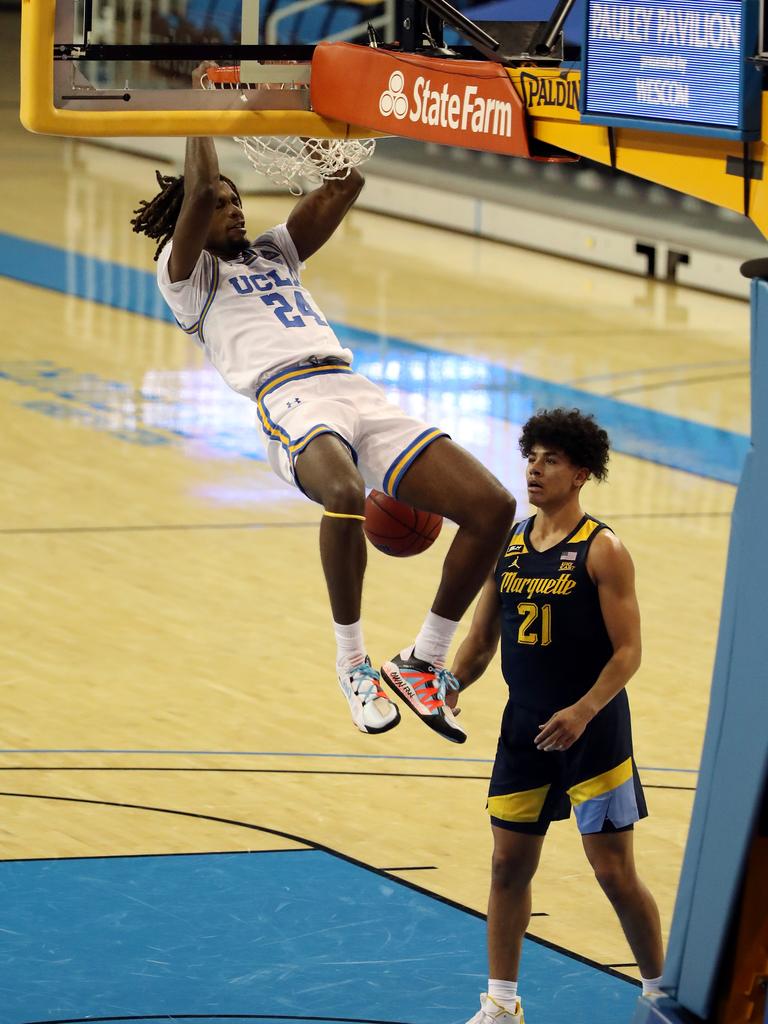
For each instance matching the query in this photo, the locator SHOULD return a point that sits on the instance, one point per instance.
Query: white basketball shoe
(491, 1012)
(372, 711)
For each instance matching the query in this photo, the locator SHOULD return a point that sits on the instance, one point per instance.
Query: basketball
(399, 529)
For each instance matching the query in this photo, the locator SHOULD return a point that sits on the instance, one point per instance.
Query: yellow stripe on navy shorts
(523, 806)
(601, 784)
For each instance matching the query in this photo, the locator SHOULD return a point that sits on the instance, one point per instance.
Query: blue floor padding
(290, 934)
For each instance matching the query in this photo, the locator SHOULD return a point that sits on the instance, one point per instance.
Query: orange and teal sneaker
(423, 688)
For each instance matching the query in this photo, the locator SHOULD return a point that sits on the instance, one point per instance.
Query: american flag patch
(569, 556)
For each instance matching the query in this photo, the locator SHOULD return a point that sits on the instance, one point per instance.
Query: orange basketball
(398, 529)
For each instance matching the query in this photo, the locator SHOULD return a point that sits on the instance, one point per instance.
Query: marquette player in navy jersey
(562, 600)
(327, 430)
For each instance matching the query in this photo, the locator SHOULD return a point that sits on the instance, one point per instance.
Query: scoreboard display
(675, 65)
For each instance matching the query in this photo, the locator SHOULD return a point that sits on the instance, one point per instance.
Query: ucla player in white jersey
(327, 430)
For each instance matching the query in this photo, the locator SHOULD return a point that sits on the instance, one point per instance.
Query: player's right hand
(199, 74)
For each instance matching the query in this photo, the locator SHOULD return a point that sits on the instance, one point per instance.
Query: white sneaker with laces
(372, 711)
(491, 1012)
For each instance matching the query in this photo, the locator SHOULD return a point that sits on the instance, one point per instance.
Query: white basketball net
(292, 162)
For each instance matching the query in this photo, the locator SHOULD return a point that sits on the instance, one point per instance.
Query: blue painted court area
(286, 934)
(196, 406)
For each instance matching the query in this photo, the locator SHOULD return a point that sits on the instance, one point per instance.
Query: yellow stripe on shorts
(409, 455)
(523, 806)
(601, 784)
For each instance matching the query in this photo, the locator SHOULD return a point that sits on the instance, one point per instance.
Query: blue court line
(644, 433)
(287, 753)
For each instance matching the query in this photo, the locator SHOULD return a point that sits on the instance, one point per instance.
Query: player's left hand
(563, 729)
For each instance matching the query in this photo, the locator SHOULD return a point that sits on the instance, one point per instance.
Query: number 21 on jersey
(536, 627)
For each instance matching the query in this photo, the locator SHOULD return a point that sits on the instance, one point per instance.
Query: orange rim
(223, 75)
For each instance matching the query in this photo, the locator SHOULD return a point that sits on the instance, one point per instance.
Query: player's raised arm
(201, 180)
(317, 215)
(479, 645)
(201, 176)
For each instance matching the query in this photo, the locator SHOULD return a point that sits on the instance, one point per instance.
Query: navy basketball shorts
(597, 776)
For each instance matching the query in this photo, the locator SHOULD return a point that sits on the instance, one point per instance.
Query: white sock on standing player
(434, 639)
(350, 646)
(651, 985)
(503, 992)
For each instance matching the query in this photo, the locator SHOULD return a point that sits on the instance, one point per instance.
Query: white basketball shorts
(301, 402)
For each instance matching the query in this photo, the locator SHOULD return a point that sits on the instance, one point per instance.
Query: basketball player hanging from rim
(327, 430)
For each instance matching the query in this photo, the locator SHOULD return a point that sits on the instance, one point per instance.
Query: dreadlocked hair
(156, 218)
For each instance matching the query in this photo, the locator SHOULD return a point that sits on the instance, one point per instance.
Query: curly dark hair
(570, 431)
(157, 217)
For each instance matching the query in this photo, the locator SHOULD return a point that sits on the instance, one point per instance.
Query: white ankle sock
(504, 992)
(434, 639)
(651, 984)
(350, 646)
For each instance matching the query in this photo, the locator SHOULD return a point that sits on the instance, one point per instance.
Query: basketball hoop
(290, 161)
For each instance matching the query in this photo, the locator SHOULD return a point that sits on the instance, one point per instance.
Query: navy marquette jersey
(554, 643)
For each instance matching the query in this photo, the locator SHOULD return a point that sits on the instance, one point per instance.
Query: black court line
(684, 381)
(14, 531)
(159, 527)
(141, 856)
(207, 853)
(422, 867)
(510, 331)
(650, 785)
(350, 756)
(667, 515)
(214, 1016)
(246, 771)
(315, 846)
(666, 368)
(621, 965)
(281, 771)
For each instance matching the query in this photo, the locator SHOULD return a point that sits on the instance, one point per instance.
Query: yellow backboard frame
(724, 172)
(40, 114)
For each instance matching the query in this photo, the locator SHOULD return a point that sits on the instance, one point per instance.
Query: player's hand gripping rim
(200, 75)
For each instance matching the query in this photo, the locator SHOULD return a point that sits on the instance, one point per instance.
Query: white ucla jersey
(250, 314)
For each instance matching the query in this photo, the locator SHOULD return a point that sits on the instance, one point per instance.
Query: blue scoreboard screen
(681, 63)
